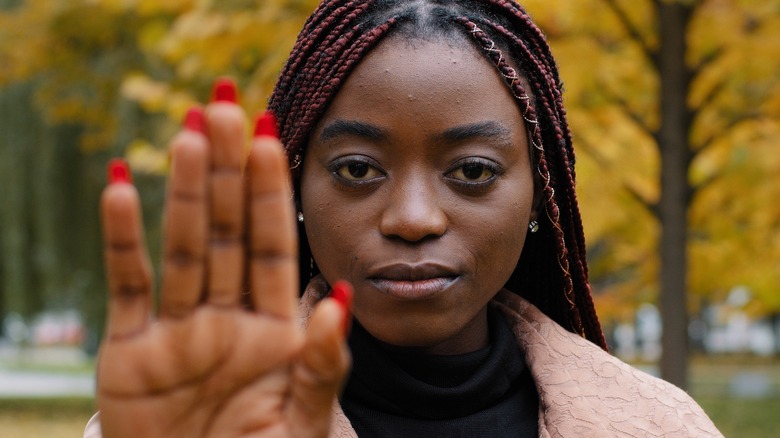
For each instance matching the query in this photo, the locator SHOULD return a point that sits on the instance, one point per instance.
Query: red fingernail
(224, 91)
(266, 125)
(195, 120)
(118, 172)
(343, 294)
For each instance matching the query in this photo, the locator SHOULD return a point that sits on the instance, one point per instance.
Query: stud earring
(300, 216)
(533, 226)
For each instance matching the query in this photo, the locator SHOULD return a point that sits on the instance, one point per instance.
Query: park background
(675, 109)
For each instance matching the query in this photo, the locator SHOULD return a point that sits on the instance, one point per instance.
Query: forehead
(423, 77)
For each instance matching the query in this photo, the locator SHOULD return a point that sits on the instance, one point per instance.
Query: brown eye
(473, 172)
(357, 171)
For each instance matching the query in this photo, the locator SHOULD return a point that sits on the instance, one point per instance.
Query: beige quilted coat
(584, 392)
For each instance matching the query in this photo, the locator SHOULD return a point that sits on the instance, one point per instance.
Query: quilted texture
(586, 392)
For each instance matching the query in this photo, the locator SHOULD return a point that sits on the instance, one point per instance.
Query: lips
(413, 281)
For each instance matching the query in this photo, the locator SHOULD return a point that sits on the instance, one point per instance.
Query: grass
(743, 418)
(55, 418)
(49, 418)
(710, 380)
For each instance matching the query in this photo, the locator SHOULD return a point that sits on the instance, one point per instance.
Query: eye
(474, 171)
(355, 170)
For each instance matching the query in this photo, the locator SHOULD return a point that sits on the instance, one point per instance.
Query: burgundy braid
(537, 38)
(353, 53)
(303, 70)
(562, 127)
(321, 22)
(563, 138)
(552, 271)
(529, 114)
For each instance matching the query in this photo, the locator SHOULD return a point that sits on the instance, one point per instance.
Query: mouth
(413, 282)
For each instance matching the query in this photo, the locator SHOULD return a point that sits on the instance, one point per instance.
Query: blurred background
(675, 109)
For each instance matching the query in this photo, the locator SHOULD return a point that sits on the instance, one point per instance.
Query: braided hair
(552, 272)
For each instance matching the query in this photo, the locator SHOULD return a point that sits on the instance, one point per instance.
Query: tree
(84, 80)
(672, 110)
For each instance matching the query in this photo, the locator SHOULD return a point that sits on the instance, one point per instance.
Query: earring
(300, 216)
(311, 268)
(533, 226)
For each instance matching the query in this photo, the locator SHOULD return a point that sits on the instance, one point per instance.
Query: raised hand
(215, 362)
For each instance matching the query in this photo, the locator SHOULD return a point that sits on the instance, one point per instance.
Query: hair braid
(319, 23)
(552, 93)
(299, 74)
(529, 114)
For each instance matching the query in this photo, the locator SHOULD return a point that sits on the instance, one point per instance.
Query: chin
(401, 332)
(423, 336)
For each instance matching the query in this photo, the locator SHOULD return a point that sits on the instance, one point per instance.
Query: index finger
(127, 263)
(273, 242)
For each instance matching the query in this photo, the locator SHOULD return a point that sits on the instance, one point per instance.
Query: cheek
(500, 249)
(499, 238)
(330, 229)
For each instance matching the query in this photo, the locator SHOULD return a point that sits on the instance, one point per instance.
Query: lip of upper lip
(411, 272)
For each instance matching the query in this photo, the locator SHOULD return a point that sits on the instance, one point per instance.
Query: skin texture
(206, 365)
(417, 188)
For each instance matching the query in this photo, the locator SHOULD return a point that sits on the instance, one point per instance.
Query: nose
(413, 212)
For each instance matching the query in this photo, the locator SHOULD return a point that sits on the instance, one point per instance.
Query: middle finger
(226, 127)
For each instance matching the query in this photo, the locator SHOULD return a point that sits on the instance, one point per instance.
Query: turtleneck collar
(406, 389)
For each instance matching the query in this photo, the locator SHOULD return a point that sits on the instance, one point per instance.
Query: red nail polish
(343, 294)
(195, 120)
(224, 91)
(266, 125)
(118, 172)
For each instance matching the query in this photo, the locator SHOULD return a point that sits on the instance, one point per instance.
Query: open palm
(216, 360)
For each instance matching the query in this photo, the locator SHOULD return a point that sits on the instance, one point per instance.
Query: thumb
(322, 366)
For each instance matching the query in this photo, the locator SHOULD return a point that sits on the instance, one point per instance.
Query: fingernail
(224, 91)
(265, 125)
(195, 120)
(343, 294)
(118, 172)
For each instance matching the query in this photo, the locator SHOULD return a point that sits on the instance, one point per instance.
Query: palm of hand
(211, 375)
(215, 363)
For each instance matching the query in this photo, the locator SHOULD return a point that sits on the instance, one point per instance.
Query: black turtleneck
(396, 392)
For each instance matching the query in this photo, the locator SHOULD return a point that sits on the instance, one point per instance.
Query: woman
(432, 170)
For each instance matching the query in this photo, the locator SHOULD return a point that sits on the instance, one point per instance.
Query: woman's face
(417, 188)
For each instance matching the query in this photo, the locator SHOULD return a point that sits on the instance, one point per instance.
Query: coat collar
(583, 390)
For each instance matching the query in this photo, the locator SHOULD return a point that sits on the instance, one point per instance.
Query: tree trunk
(18, 126)
(673, 143)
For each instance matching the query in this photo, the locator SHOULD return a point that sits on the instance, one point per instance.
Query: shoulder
(583, 388)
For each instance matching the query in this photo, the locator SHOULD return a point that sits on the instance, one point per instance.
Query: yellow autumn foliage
(613, 103)
(90, 57)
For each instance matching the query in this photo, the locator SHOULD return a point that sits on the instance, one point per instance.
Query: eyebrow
(339, 128)
(488, 129)
(457, 134)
